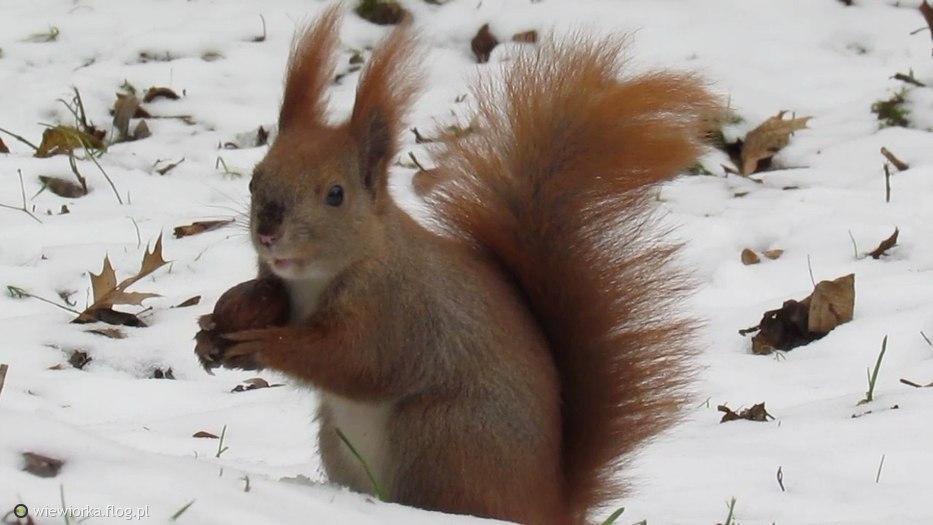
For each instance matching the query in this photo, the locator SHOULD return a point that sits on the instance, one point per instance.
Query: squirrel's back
(556, 186)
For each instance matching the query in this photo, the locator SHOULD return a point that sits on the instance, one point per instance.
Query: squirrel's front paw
(213, 349)
(251, 347)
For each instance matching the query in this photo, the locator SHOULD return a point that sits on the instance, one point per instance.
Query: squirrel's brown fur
(506, 367)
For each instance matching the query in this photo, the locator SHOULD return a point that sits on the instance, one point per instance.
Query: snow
(126, 439)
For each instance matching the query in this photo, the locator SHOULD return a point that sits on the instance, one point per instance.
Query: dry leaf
(483, 44)
(204, 434)
(755, 413)
(3, 369)
(773, 254)
(189, 302)
(526, 37)
(749, 257)
(141, 131)
(885, 245)
(767, 139)
(108, 293)
(381, 12)
(154, 93)
(253, 384)
(832, 303)
(79, 359)
(62, 140)
(42, 466)
(168, 167)
(199, 227)
(62, 187)
(3, 148)
(111, 333)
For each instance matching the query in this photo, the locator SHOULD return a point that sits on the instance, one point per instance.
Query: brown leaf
(111, 333)
(773, 254)
(767, 139)
(154, 93)
(749, 257)
(526, 37)
(108, 293)
(62, 187)
(169, 167)
(79, 359)
(3, 148)
(141, 131)
(110, 316)
(205, 435)
(3, 369)
(483, 44)
(189, 302)
(885, 245)
(381, 12)
(831, 304)
(199, 227)
(253, 384)
(42, 466)
(755, 413)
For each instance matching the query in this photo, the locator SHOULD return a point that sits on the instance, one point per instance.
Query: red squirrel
(505, 361)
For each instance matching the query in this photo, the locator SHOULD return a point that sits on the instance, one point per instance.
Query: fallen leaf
(62, 140)
(62, 187)
(205, 435)
(526, 37)
(169, 167)
(798, 323)
(158, 373)
(483, 44)
(767, 139)
(885, 245)
(42, 466)
(199, 227)
(110, 333)
(124, 109)
(3, 148)
(189, 302)
(381, 12)
(154, 93)
(253, 384)
(79, 359)
(108, 293)
(141, 131)
(832, 303)
(3, 370)
(111, 316)
(754, 413)
(749, 257)
(773, 254)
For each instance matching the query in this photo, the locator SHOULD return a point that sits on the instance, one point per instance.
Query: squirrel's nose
(267, 240)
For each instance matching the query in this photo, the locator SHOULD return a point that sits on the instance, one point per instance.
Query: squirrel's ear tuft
(387, 88)
(310, 70)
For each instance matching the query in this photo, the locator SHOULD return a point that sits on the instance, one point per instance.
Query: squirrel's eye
(334, 196)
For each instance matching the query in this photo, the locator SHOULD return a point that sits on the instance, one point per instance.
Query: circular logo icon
(20, 511)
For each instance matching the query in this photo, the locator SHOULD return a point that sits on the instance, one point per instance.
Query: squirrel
(506, 358)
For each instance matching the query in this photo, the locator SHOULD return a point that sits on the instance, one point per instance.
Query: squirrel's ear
(387, 87)
(310, 70)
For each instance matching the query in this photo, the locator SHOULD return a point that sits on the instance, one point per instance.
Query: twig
(19, 292)
(182, 510)
(898, 163)
(810, 269)
(925, 338)
(780, 478)
(77, 174)
(21, 139)
(908, 382)
(3, 369)
(24, 209)
(909, 79)
(887, 183)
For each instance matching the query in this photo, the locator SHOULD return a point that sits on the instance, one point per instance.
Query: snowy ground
(126, 438)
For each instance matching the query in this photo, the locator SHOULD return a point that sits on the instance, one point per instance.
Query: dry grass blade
(23, 208)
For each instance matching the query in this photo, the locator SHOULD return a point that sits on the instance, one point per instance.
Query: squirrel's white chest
(365, 426)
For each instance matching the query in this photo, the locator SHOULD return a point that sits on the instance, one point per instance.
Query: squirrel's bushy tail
(556, 185)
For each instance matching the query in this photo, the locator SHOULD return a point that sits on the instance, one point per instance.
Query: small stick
(25, 210)
(887, 183)
(3, 369)
(780, 479)
(908, 79)
(21, 139)
(925, 338)
(898, 163)
(880, 465)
